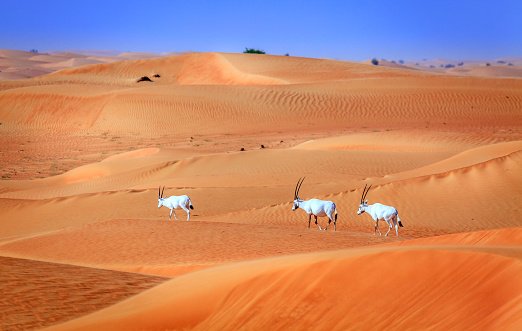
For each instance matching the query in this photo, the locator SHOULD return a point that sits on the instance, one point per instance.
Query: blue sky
(356, 30)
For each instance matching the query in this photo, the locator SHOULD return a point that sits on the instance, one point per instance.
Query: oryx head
(364, 203)
(160, 196)
(296, 194)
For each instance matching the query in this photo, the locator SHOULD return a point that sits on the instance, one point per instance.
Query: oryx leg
(309, 220)
(330, 220)
(377, 228)
(396, 225)
(173, 212)
(187, 211)
(315, 216)
(389, 228)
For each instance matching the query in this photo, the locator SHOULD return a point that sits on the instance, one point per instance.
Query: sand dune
(85, 148)
(37, 294)
(20, 64)
(340, 289)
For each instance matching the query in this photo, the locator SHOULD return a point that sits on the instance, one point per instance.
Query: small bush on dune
(144, 79)
(253, 51)
(375, 62)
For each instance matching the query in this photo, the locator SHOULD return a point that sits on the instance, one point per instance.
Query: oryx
(379, 211)
(173, 202)
(315, 207)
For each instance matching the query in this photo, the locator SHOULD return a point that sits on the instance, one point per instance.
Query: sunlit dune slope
(252, 93)
(256, 187)
(17, 65)
(393, 288)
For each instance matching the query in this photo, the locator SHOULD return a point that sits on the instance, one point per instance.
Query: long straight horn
(162, 192)
(365, 194)
(295, 190)
(364, 190)
(299, 187)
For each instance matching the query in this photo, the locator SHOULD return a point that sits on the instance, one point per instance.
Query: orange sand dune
(107, 186)
(339, 98)
(84, 149)
(20, 64)
(350, 289)
(38, 294)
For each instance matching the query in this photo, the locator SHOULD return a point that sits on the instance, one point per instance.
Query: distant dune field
(85, 147)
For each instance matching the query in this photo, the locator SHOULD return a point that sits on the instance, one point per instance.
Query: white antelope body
(174, 202)
(315, 207)
(379, 211)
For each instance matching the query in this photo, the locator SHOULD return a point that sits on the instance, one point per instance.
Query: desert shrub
(401, 61)
(375, 62)
(460, 64)
(510, 64)
(449, 65)
(144, 79)
(488, 64)
(501, 62)
(253, 51)
(34, 51)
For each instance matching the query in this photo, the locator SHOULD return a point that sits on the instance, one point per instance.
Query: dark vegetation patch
(144, 79)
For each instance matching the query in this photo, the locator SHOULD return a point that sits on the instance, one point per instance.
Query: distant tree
(287, 54)
(432, 66)
(510, 64)
(34, 50)
(449, 65)
(460, 64)
(253, 51)
(488, 64)
(501, 62)
(401, 61)
(375, 62)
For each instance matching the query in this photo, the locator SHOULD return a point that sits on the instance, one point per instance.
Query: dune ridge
(301, 289)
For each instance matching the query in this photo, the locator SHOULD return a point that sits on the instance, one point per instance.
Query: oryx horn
(298, 187)
(365, 192)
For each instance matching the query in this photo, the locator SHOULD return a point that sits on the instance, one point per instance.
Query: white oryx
(315, 207)
(379, 211)
(174, 202)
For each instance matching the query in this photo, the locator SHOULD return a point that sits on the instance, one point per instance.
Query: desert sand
(85, 147)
